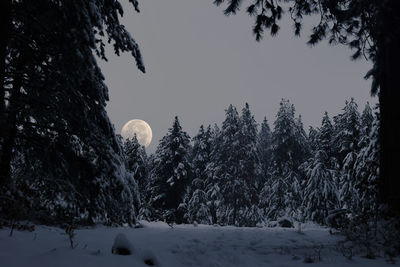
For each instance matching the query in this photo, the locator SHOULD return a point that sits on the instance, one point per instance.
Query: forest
(238, 174)
(63, 166)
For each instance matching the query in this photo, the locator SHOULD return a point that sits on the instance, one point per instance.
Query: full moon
(140, 128)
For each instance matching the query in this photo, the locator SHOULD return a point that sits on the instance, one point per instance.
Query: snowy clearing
(183, 245)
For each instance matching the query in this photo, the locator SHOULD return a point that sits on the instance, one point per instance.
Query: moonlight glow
(140, 128)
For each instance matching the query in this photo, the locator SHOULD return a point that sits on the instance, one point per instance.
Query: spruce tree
(136, 163)
(320, 190)
(288, 154)
(264, 146)
(346, 131)
(325, 138)
(198, 206)
(313, 135)
(366, 120)
(51, 69)
(250, 168)
(366, 174)
(227, 170)
(171, 174)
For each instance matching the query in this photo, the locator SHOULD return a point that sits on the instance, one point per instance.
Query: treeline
(238, 174)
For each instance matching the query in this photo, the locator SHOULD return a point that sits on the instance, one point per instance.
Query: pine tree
(345, 139)
(227, 170)
(78, 168)
(366, 120)
(288, 154)
(366, 173)
(313, 135)
(171, 174)
(198, 206)
(250, 167)
(265, 148)
(347, 131)
(326, 135)
(212, 188)
(136, 163)
(320, 191)
(250, 164)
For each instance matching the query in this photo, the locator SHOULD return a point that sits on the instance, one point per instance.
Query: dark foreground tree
(371, 29)
(52, 108)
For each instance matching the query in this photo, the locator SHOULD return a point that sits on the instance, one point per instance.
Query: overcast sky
(199, 61)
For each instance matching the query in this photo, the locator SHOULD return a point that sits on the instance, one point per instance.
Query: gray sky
(199, 61)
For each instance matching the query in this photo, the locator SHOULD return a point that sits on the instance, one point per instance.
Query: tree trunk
(5, 24)
(388, 61)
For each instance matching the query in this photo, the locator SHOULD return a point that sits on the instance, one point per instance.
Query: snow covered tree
(73, 157)
(288, 154)
(320, 191)
(326, 135)
(365, 27)
(264, 146)
(345, 148)
(136, 163)
(250, 168)
(171, 174)
(346, 131)
(250, 162)
(302, 139)
(226, 170)
(367, 119)
(198, 206)
(313, 135)
(366, 173)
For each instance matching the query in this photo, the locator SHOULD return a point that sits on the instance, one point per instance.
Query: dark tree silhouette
(53, 97)
(371, 29)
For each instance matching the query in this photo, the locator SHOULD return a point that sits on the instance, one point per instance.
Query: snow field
(183, 245)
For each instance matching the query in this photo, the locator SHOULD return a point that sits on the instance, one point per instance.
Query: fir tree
(171, 174)
(265, 148)
(346, 131)
(250, 163)
(320, 191)
(226, 170)
(250, 167)
(366, 174)
(76, 158)
(198, 206)
(313, 135)
(136, 163)
(288, 154)
(326, 135)
(367, 119)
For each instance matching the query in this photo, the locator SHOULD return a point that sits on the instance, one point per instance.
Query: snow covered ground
(183, 245)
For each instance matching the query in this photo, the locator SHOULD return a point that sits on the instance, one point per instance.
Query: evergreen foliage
(264, 147)
(136, 163)
(198, 206)
(171, 174)
(367, 28)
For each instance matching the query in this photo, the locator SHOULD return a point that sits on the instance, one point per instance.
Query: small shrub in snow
(121, 245)
(337, 218)
(308, 259)
(285, 223)
(139, 225)
(149, 258)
